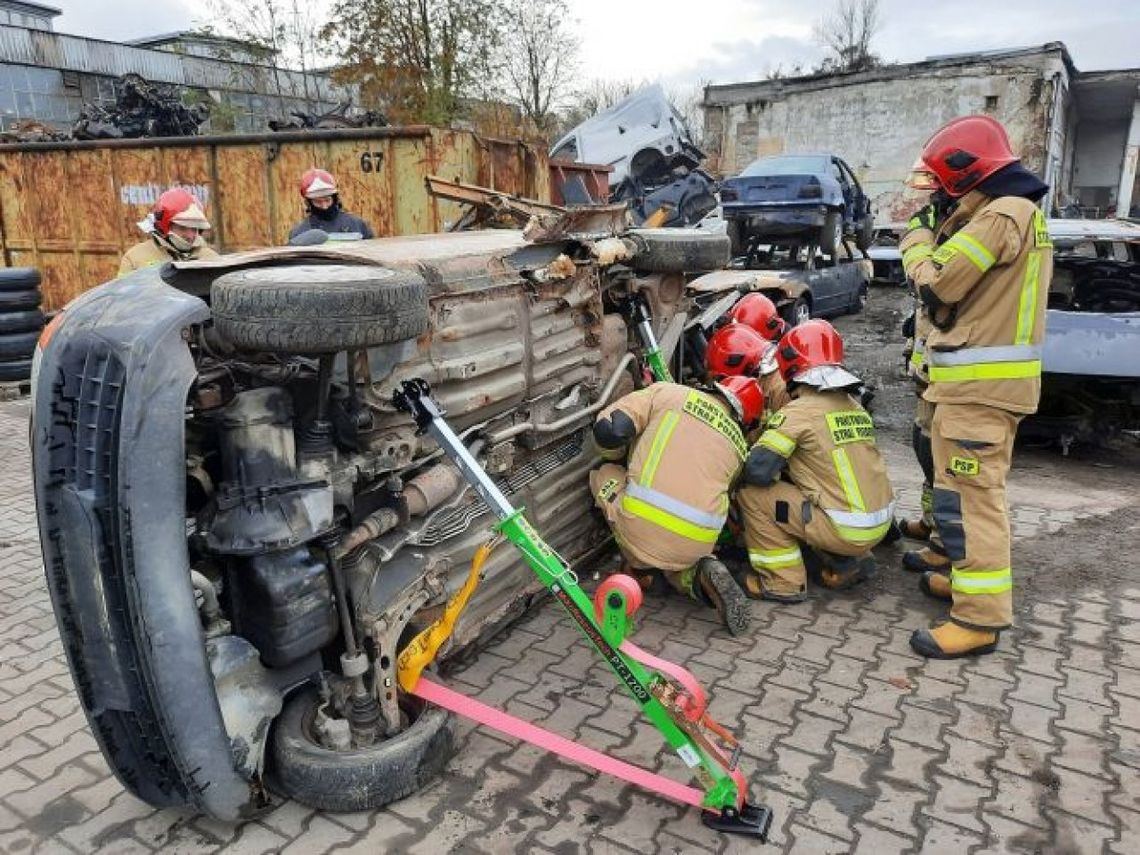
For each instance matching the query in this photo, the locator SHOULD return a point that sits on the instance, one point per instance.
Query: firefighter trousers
(634, 536)
(777, 519)
(973, 447)
(920, 440)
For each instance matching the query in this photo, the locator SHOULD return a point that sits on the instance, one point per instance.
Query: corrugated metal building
(47, 76)
(1080, 131)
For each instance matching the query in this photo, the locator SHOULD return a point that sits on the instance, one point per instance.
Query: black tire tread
(680, 250)
(316, 317)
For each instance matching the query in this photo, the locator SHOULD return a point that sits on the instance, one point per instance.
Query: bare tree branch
(847, 33)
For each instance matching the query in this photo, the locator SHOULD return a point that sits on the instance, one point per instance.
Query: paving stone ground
(857, 744)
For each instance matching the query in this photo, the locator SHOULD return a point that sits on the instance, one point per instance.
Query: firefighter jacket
(149, 253)
(986, 288)
(342, 223)
(826, 443)
(686, 455)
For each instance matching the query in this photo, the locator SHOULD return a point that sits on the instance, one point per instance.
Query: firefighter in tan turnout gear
(669, 501)
(834, 495)
(174, 228)
(983, 273)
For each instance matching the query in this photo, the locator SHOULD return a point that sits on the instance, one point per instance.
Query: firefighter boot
(713, 584)
(926, 560)
(936, 585)
(951, 641)
(839, 573)
(916, 529)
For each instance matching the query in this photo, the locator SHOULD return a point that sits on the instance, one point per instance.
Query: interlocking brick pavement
(857, 744)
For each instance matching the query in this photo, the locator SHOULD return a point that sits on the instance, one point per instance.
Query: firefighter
(745, 345)
(669, 501)
(174, 228)
(983, 274)
(323, 209)
(834, 495)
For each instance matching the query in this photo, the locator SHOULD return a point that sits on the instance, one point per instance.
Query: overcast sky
(683, 42)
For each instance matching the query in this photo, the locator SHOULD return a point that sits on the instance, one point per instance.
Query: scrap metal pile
(341, 116)
(142, 109)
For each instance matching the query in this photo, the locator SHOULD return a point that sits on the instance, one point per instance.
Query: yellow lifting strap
(422, 649)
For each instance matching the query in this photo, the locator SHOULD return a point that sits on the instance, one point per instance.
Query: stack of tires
(21, 321)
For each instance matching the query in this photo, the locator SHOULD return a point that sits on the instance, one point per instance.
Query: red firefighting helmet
(966, 151)
(759, 313)
(733, 350)
(317, 184)
(744, 396)
(811, 344)
(179, 207)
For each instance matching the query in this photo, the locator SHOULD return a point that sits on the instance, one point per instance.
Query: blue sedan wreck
(807, 199)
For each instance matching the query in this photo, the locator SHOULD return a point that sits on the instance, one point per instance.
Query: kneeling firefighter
(667, 504)
(814, 476)
(983, 274)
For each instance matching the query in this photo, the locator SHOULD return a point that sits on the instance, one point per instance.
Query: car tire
(679, 250)
(831, 234)
(859, 302)
(22, 321)
(19, 278)
(14, 370)
(358, 779)
(865, 236)
(318, 309)
(796, 312)
(18, 345)
(19, 300)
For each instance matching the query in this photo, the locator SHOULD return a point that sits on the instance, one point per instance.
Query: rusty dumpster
(71, 208)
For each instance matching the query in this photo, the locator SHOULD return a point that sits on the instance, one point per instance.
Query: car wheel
(18, 345)
(22, 321)
(360, 778)
(19, 278)
(678, 250)
(15, 369)
(318, 308)
(831, 234)
(865, 236)
(16, 300)
(797, 312)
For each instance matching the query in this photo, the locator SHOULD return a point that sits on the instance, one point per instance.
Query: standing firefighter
(324, 211)
(983, 275)
(834, 496)
(174, 228)
(669, 501)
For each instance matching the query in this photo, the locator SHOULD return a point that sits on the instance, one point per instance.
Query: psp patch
(850, 426)
(968, 466)
(608, 490)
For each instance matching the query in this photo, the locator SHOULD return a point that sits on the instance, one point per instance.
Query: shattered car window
(792, 165)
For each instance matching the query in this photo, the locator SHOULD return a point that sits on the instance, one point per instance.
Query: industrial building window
(991, 102)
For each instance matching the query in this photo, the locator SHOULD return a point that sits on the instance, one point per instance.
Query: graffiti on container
(147, 194)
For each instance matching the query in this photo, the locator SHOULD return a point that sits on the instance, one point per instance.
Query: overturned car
(240, 529)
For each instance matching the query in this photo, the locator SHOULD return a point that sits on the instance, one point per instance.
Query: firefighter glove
(926, 218)
(762, 467)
